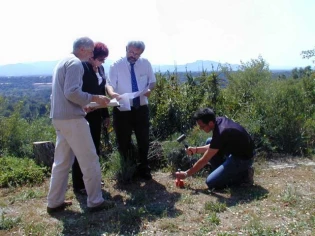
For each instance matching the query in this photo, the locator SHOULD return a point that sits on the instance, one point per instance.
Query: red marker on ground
(179, 183)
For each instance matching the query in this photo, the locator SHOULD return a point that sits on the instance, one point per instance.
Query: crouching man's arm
(198, 165)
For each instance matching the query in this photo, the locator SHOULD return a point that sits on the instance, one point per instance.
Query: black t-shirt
(231, 138)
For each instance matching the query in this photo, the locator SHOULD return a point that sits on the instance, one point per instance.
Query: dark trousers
(95, 128)
(136, 120)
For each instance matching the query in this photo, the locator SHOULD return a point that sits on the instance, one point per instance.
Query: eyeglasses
(135, 54)
(101, 59)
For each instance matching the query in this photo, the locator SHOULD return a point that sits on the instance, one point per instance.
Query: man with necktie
(131, 74)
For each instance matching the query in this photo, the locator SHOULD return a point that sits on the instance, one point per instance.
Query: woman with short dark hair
(94, 82)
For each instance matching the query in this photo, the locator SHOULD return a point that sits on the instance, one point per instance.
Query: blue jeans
(231, 171)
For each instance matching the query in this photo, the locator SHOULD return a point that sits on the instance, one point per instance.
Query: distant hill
(46, 68)
(28, 69)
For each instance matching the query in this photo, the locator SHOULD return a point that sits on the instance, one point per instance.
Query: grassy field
(282, 202)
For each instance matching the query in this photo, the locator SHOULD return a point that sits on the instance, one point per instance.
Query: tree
(308, 54)
(302, 72)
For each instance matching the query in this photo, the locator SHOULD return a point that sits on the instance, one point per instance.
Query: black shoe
(145, 175)
(143, 172)
(80, 191)
(249, 178)
(65, 204)
(106, 205)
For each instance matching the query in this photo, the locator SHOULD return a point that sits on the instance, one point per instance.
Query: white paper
(124, 99)
(112, 103)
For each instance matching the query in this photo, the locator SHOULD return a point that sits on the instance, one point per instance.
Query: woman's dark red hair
(100, 50)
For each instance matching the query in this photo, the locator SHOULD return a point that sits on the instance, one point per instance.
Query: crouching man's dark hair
(205, 115)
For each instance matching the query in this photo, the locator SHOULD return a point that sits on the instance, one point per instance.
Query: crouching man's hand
(181, 175)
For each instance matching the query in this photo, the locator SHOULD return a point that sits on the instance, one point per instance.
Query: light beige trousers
(74, 139)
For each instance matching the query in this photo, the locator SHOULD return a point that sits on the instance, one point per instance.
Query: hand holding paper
(100, 99)
(124, 99)
(112, 103)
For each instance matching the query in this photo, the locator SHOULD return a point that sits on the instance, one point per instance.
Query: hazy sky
(174, 31)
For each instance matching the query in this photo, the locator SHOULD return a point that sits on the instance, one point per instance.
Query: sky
(175, 32)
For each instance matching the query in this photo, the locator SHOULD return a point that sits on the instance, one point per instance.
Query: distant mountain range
(46, 67)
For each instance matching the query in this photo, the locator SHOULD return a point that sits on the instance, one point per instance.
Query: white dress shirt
(120, 77)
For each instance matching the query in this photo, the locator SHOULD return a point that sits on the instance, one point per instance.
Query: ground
(281, 202)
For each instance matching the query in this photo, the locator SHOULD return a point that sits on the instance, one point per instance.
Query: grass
(215, 206)
(8, 223)
(282, 202)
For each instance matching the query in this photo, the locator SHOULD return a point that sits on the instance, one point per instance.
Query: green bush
(277, 113)
(20, 171)
(171, 106)
(17, 134)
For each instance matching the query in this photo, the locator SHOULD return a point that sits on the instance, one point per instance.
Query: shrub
(171, 106)
(283, 117)
(17, 134)
(20, 171)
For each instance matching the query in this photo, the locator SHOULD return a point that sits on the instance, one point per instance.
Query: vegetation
(20, 171)
(308, 54)
(278, 111)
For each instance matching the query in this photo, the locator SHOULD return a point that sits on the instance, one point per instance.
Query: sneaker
(59, 208)
(249, 179)
(104, 205)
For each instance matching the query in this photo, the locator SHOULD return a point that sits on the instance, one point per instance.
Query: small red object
(179, 183)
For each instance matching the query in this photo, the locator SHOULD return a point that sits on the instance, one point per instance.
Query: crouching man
(230, 152)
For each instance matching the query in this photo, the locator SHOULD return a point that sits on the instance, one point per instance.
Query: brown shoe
(104, 205)
(59, 208)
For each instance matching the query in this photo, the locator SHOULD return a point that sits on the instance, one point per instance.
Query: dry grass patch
(280, 203)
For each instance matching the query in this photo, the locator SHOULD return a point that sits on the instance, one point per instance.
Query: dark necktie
(136, 101)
